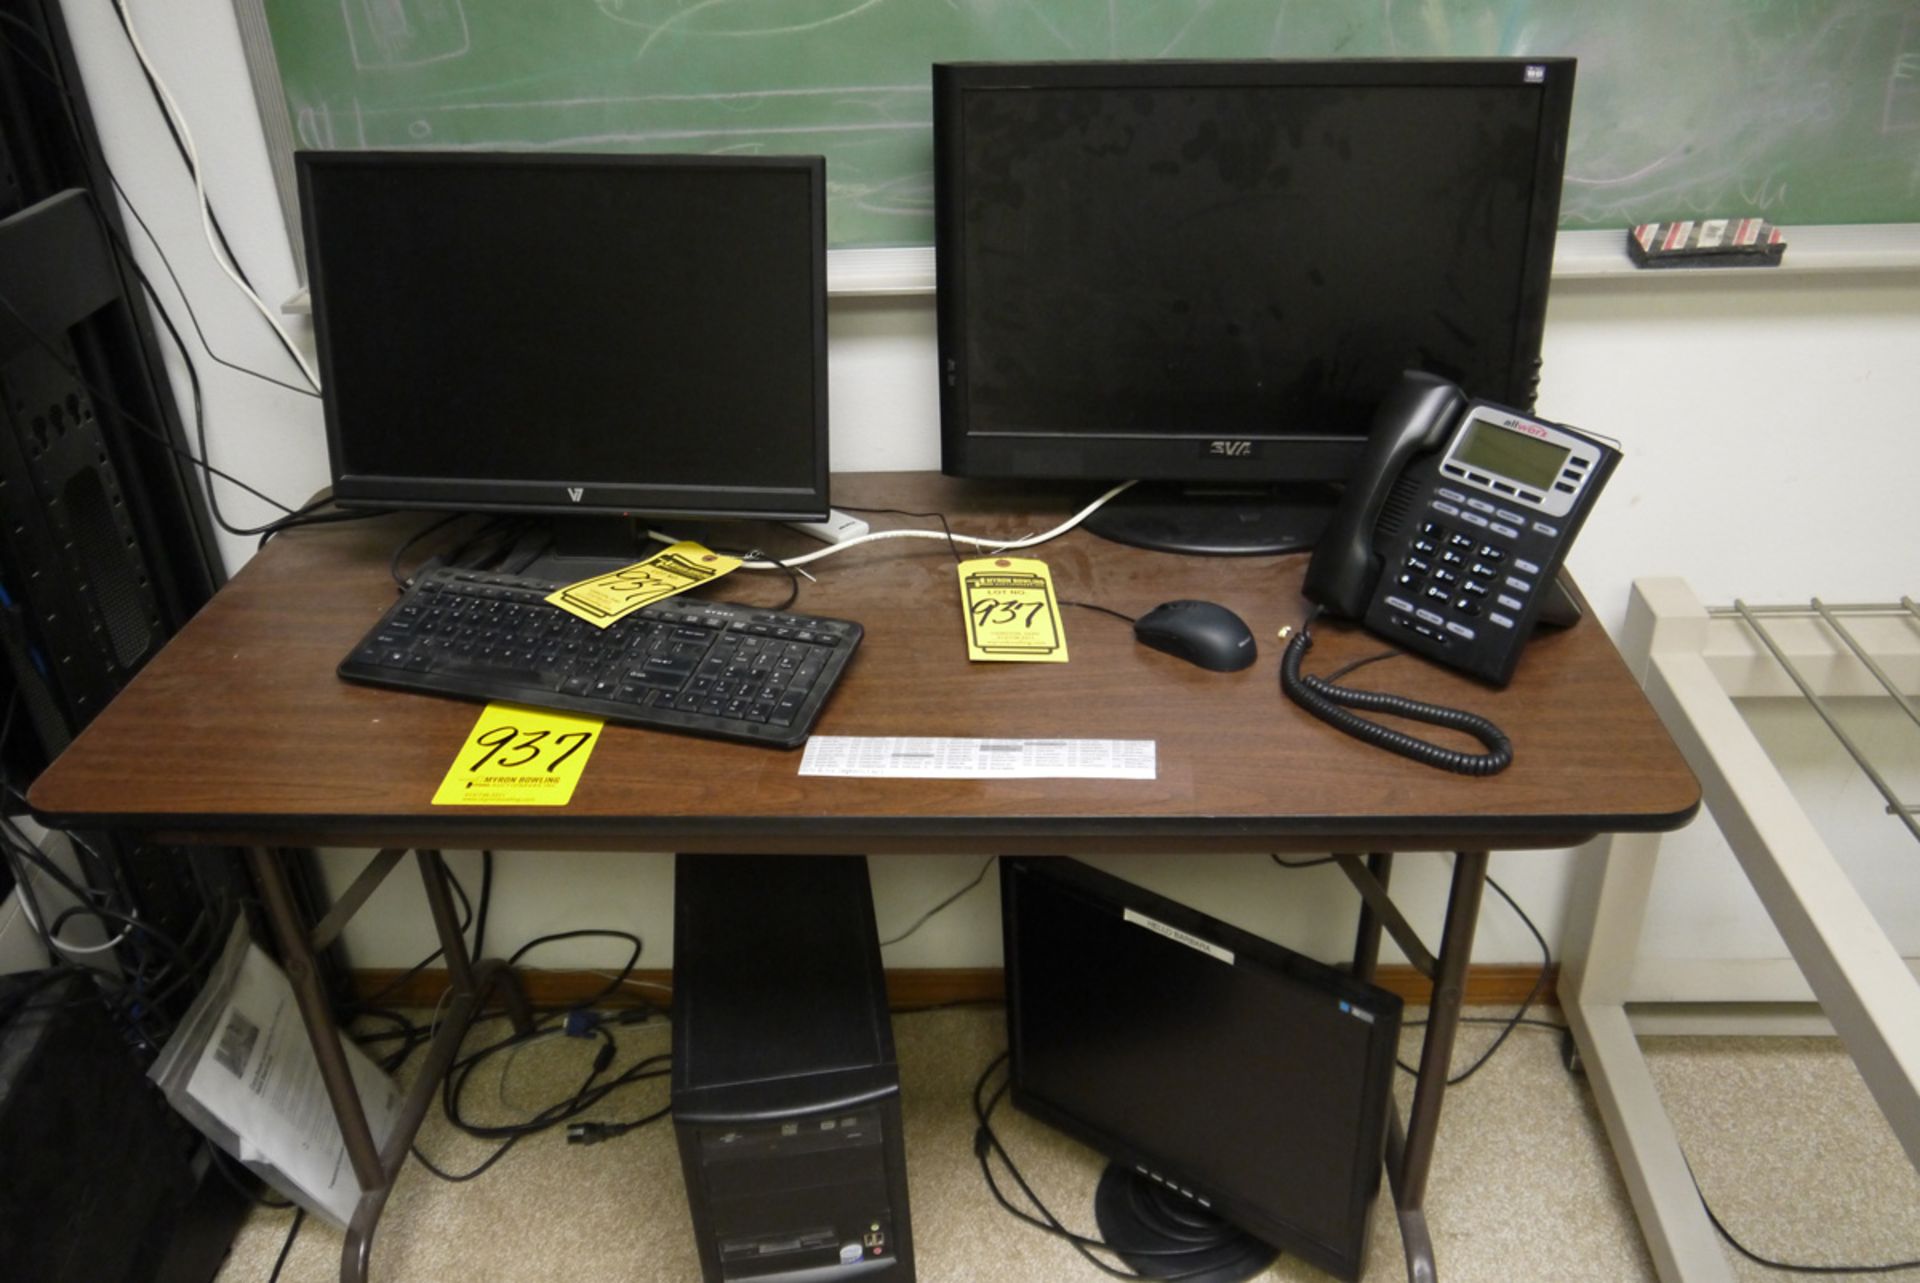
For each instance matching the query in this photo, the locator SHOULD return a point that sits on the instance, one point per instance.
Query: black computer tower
(786, 1094)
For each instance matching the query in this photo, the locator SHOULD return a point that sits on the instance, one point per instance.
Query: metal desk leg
(469, 985)
(1410, 1151)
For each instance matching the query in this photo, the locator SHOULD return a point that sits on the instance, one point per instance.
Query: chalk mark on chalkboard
(1901, 111)
(393, 34)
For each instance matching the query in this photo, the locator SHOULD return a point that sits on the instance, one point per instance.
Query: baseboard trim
(1492, 985)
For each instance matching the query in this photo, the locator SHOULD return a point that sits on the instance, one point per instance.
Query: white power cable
(996, 545)
(20, 874)
(200, 191)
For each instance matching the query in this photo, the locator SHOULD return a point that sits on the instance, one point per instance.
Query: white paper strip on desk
(915, 758)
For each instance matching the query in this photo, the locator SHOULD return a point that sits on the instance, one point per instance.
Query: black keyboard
(701, 667)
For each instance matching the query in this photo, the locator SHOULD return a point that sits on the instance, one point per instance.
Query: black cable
(293, 1232)
(1330, 703)
(926, 917)
(1891, 1267)
(134, 421)
(986, 1142)
(604, 933)
(952, 544)
(438, 523)
(1510, 1022)
(55, 76)
(179, 144)
(310, 516)
(1087, 605)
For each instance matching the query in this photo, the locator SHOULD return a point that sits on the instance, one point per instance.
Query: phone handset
(1413, 419)
(1449, 542)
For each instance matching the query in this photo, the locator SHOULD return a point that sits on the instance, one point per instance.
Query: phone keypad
(1454, 578)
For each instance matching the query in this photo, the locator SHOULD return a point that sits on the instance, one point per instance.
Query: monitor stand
(1143, 1221)
(568, 549)
(1218, 522)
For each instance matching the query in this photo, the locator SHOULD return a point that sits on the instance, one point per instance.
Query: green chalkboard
(1806, 111)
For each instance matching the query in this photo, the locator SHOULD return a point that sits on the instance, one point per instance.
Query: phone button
(1440, 505)
(1551, 532)
(1480, 505)
(1400, 604)
(1429, 616)
(1454, 495)
(1475, 519)
(1525, 567)
(1519, 585)
(1511, 603)
(1460, 630)
(1512, 518)
(1500, 619)
(1504, 530)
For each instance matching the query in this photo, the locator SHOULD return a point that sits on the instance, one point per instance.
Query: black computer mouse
(1200, 633)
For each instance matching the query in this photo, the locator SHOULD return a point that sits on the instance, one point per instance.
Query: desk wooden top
(240, 732)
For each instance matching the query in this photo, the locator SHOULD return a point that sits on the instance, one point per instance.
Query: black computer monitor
(573, 336)
(1222, 1074)
(1206, 274)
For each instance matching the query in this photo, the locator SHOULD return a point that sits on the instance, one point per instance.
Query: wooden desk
(239, 732)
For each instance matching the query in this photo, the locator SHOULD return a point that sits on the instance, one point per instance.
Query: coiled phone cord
(1325, 701)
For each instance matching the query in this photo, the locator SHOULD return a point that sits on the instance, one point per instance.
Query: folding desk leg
(1366, 939)
(469, 985)
(1410, 1151)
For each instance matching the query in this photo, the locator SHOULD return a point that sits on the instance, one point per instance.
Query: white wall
(1771, 453)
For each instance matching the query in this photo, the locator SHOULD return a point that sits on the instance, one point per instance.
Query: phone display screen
(1514, 455)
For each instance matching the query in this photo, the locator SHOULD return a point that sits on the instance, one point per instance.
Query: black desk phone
(1451, 534)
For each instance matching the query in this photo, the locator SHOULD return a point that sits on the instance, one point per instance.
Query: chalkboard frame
(869, 270)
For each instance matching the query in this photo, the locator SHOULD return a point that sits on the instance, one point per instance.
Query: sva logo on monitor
(576, 493)
(1231, 449)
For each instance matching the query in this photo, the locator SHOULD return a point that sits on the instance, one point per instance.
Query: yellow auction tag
(519, 757)
(1011, 611)
(618, 593)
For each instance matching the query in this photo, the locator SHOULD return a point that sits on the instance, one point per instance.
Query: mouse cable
(1330, 703)
(1087, 605)
(992, 546)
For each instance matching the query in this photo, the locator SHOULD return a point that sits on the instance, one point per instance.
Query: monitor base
(1137, 1216)
(1239, 522)
(568, 548)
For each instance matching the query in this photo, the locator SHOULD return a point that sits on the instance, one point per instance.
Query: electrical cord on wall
(1330, 703)
(185, 137)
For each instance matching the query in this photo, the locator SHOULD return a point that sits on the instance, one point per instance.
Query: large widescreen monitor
(607, 335)
(1229, 1080)
(1207, 274)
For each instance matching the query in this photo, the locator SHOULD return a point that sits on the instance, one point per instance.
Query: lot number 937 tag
(519, 757)
(1011, 611)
